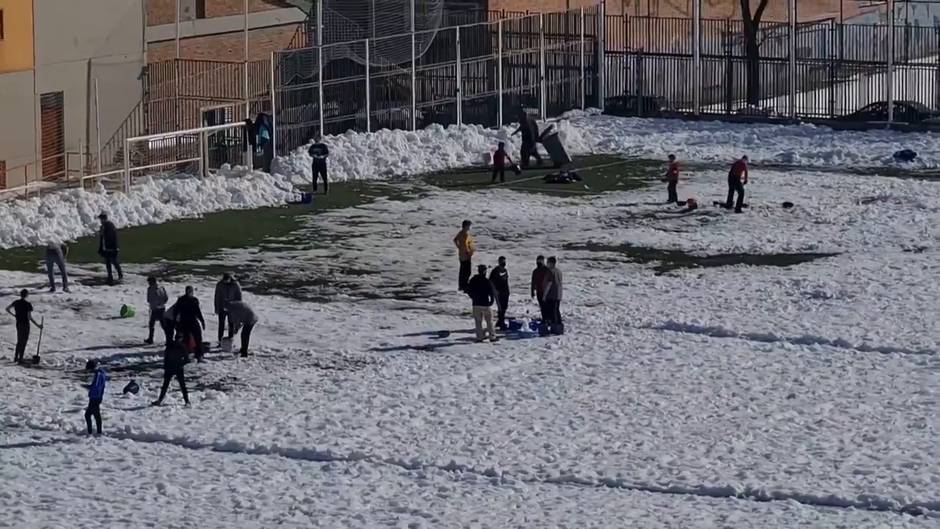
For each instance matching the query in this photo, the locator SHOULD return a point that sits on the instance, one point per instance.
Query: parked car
(904, 112)
(634, 105)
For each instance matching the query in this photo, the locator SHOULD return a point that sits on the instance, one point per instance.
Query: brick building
(214, 29)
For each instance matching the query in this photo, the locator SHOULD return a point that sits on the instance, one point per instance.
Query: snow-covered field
(388, 154)
(732, 396)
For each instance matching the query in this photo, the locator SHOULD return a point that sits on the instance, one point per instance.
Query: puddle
(669, 260)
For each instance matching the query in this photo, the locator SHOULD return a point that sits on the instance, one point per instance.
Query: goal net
(387, 22)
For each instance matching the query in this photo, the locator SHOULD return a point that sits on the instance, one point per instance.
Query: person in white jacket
(241, 316)
(156, 300)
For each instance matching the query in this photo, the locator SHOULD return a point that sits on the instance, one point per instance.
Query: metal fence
(815, 70)
(472, 74)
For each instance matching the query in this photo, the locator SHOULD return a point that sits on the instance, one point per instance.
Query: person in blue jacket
(95, 395)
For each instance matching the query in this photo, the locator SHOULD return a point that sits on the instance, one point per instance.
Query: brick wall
(227, 47)
(160, 12)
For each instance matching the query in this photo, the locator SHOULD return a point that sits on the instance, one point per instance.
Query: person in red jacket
(500, 157)
(672, 177)
(737, 179)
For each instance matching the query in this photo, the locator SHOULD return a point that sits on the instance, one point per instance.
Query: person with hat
(319, 152)
(499, 277)
(22, 310)
(737, 179)
(482, 293)
(226, 291)
(108, 248)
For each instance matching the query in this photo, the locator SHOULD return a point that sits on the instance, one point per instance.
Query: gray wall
(77, 41)
(17, 132)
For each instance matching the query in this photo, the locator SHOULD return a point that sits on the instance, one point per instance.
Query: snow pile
(73, 213)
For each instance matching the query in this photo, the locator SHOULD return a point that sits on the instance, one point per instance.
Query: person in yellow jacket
(465, 248)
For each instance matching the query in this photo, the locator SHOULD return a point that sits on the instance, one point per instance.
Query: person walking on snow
(319, 152)
(156, 300)
(539, 281)
(189, 320)
(499, 277)
(737, 179)
(672, 177)
(465, 250)
(22, 310)
(482, 294)
(226, 290)
(55, 256)
(553, 294)
(242, 317)
(174, 359)
(530, 134)
(108, 248)
(95, 395)
(500, 157)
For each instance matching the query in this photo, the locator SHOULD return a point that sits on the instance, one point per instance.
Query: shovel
(42, 325)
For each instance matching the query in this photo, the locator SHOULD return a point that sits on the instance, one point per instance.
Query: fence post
(791, 88)
(368, 91)
(459, 92)
(581, 31)
(696, 57)
(81, 162)
(602, 55)
(499, 72)
(274, 102)
(127, 166)
(320, 61)
(414, 82)
(203, 154)
(98, 126)
(542, 99)
(890, 76)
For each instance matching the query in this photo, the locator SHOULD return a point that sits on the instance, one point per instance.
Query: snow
(386, 154)
(730, 396)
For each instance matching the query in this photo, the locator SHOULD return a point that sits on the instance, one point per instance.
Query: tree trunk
(752, 68)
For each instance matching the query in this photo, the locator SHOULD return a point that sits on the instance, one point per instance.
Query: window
(1, 24)
(3, 174)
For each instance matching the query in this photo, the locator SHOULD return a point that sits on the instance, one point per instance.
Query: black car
(634, 105)
(904, 112)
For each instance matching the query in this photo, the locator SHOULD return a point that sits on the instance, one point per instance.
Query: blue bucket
(534, 325)
(306, 198)
(514, 324)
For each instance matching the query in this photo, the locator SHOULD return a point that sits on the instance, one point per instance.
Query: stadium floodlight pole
(697, 56)
(581, 29)
(459, 81)
(499, 72)
(320, 60)
(890, 76)
(542, 99)
(792, 63)
(368, 92)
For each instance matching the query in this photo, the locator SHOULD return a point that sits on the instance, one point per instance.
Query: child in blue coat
(95, 395)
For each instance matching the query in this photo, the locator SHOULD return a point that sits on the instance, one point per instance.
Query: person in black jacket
(189, 320)
(319, 152)
(499, 277)
(530, 134)
(174, 358)
(108, 247)
(482, 293)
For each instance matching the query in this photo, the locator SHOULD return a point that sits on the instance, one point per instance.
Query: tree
(752, 48)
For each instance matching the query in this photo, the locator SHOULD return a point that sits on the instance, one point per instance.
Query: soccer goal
(198, 151)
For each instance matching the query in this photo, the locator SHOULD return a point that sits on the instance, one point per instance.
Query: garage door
(52, 118)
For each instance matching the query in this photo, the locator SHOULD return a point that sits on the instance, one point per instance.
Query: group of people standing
(546, 287)
(737, 179)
